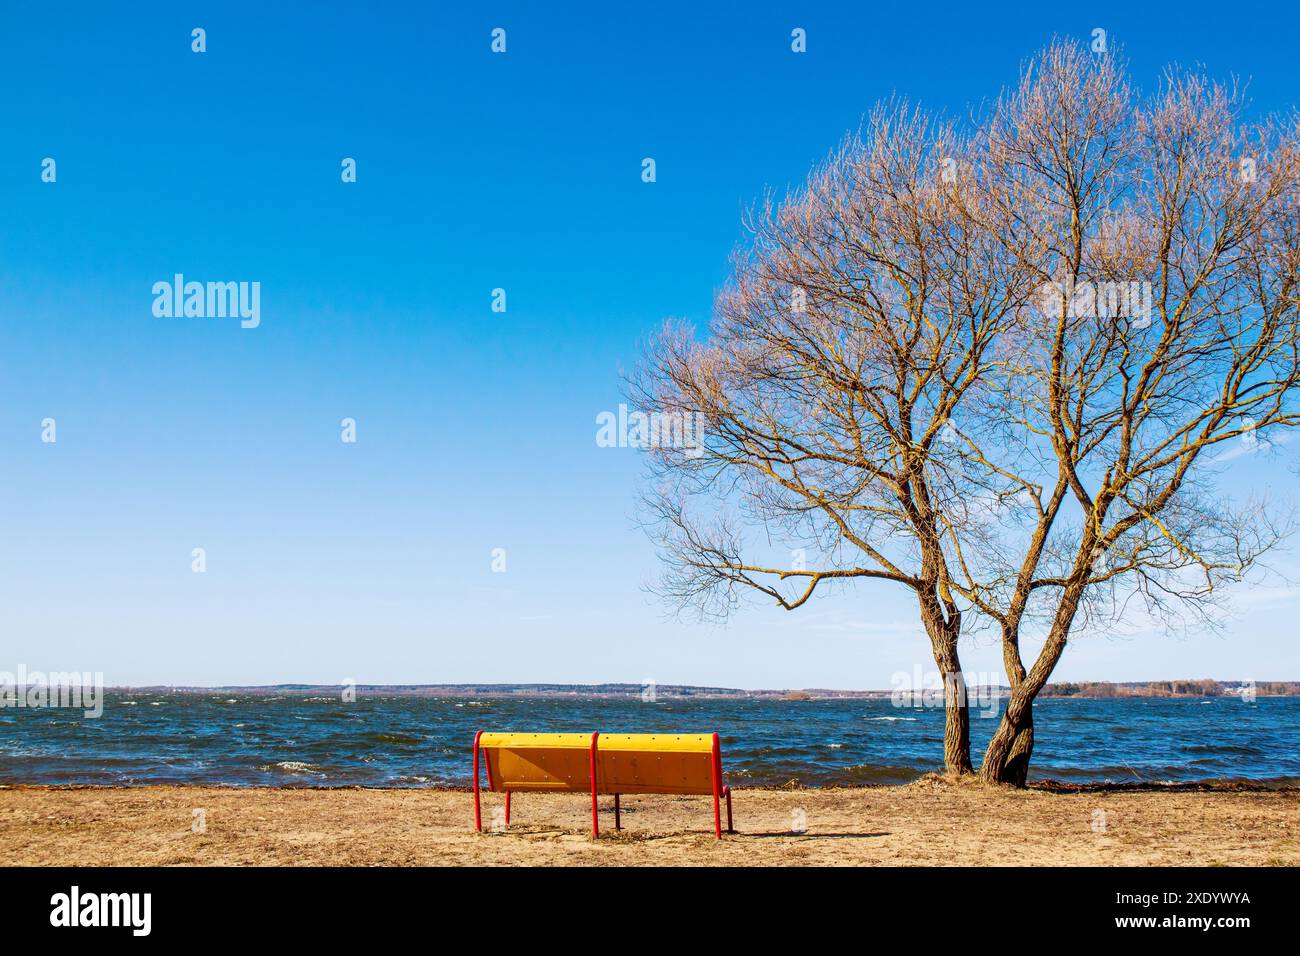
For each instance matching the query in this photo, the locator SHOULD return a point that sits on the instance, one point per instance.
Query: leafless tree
(1116, 422)
(996, 367)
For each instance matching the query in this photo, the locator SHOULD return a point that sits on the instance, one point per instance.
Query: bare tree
(867, 308)
(990, 367)
(1165, 234)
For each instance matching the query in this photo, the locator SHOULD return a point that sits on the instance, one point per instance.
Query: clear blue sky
(371, 561)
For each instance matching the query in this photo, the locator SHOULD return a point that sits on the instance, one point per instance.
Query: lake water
(421, 741)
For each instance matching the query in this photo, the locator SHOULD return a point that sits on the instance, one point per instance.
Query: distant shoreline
(1098, 690)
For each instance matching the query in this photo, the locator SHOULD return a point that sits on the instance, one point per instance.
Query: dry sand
(932, 821)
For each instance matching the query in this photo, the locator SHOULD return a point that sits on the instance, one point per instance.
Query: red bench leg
(478, 813)
(595, 818)
(618, 817)
(507, 808)
(717, 786)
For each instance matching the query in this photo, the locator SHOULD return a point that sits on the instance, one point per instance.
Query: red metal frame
(487, 765)
(478, 813)
(595, 816)
(716, 758)
(715, 762)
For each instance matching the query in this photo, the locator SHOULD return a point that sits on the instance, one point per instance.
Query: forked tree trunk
(1007, 758)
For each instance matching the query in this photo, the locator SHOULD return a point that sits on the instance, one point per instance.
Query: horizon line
(631, 687)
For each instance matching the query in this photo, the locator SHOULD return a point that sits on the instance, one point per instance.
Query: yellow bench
(599, 763)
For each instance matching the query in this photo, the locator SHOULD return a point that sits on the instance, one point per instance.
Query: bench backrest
(625, 763)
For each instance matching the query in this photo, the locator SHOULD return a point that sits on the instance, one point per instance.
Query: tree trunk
(956, 706)
(942, 622)
(1007, 758)
(956, 726)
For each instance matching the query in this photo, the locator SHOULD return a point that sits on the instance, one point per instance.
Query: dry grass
(930, 822)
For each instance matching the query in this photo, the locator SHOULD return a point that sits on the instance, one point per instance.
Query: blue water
(411, 741)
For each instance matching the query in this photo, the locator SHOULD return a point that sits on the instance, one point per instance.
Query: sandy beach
(930, 822)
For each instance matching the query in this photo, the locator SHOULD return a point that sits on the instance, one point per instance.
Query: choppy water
(411, 741)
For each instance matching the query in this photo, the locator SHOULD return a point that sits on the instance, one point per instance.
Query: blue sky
(372, 561)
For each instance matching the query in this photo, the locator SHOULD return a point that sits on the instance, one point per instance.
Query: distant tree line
(1171, 688)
